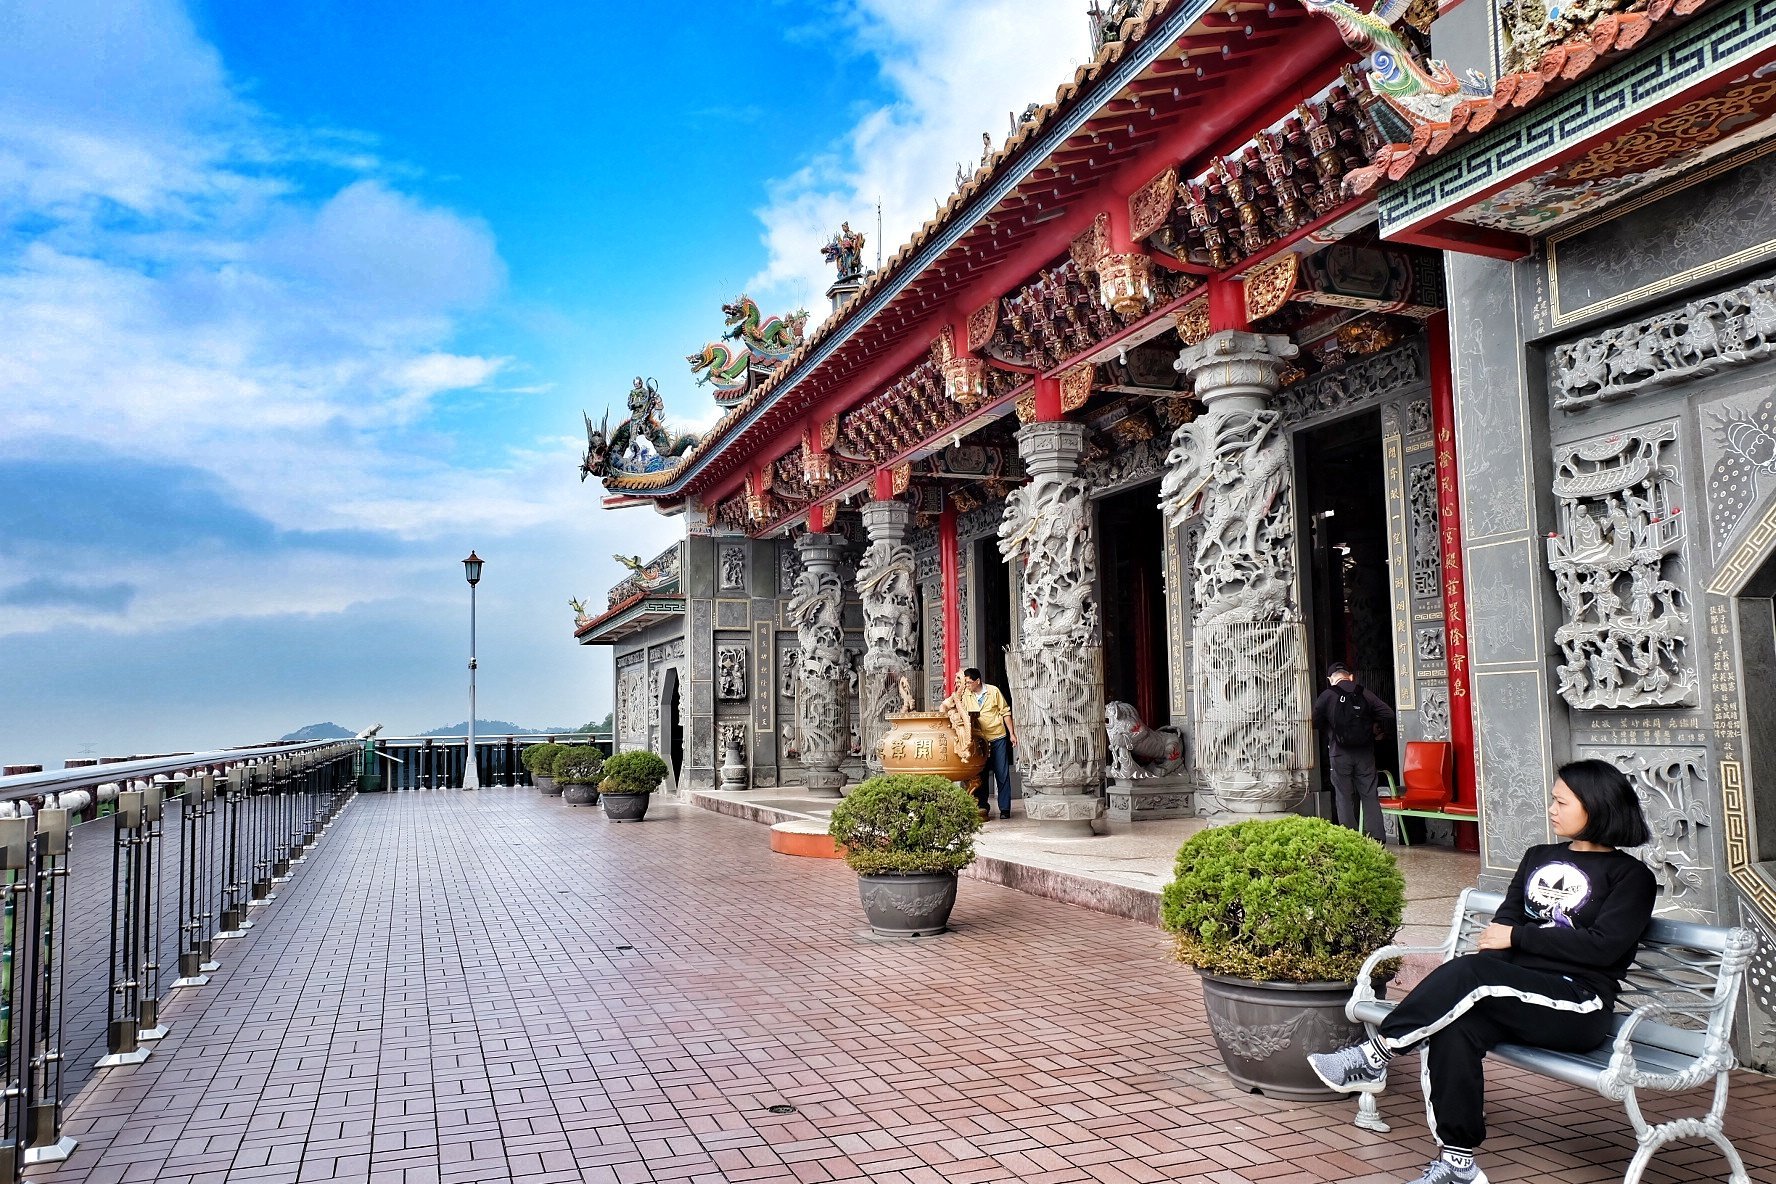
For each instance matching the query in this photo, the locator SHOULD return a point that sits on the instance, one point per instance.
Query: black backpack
(1353, 721)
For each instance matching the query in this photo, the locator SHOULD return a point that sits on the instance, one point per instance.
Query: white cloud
(957, 71)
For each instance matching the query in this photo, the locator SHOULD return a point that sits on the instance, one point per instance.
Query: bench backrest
(1682, 964)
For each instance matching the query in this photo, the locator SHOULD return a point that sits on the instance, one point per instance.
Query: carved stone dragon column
(1058, 693)
(816, 608)
(887, 585)
(1229, 469)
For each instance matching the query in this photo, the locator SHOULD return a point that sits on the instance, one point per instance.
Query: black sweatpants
(1468, 1005)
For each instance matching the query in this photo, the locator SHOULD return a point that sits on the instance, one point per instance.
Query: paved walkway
(494, 986)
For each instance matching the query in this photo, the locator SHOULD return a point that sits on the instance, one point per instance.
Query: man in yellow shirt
(993, 719)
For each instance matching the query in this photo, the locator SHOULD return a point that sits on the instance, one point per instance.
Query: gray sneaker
(1441, 1171)
(1348, 1071)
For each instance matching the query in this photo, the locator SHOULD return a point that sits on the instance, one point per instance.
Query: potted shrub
(1277, 916)
(906, 835)
(538, 760)
(630, 779)
(578, 769)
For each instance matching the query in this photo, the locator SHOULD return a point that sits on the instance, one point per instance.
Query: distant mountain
(326, 731)
(496, 727)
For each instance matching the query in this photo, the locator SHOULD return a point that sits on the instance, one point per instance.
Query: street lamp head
(472, 568)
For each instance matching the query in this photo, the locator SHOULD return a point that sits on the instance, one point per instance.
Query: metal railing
(196, 843)
(437, 762)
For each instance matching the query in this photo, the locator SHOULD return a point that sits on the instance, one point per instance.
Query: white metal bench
(1672, 1034)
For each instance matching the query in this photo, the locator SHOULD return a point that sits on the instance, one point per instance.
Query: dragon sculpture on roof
(1420, 90)
(763, 343)
(640, 444)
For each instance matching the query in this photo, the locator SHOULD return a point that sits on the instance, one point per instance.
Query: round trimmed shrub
(1282, 900)
(578, 764)
(906, 823)
(539, 758)
(639, 771)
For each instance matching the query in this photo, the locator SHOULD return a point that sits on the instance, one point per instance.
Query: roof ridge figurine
(640, 444)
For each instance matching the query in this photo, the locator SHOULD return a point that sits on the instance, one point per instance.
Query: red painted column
(1227, 305)
(1048, 401)
(819, 518)
(883, 485)
(949, 559)
(1455, 599)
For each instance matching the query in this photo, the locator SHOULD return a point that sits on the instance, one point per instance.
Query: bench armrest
(1365, 990)
(1624, 1073)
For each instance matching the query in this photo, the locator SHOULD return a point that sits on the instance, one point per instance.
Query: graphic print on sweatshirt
(1555, 891)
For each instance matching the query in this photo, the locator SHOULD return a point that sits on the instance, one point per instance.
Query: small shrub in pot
(629, 780)
(578, 768)
(538, 759)
(1278, 915)
(906, 835)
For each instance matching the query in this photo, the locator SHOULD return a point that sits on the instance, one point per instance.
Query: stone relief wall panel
(1672, 783)
(1427, 544)
(732, 614)
(700, 637)
(1492, 430)
(731, 568)
(1355, 384)
(1760, 992)
(764, 679)
(1433, 712)
(731, 682)
(1729, 329)
(1617, 559)
(1694, 229)
(1511, 748)
(1499, 627)
(1738, 433)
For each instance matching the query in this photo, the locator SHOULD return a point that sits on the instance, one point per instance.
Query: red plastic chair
(1427, 776)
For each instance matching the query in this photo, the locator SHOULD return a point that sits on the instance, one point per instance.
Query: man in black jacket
(1350, 717)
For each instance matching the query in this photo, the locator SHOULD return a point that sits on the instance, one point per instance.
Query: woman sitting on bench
(1547, 973)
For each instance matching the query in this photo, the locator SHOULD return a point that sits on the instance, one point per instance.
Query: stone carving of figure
(1138, 751)
(733, 567)
(886, 583)
(815, 611)
(1046, 534)
(1231, 471)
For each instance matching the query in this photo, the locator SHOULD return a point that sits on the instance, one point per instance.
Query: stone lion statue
(1138, 751)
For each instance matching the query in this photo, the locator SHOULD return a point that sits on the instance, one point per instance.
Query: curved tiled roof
(1559, 67)
(1132, 32)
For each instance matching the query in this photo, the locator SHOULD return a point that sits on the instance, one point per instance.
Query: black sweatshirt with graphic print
(1578, 913)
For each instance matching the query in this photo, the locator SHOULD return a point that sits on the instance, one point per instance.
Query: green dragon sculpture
(728, 370)
(1421, 93)
(769, 339)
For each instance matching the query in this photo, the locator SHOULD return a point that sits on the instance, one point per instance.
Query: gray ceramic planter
(1266, 1030)
(546, 784)
(913, 905)
(625, 807)
(579, 795)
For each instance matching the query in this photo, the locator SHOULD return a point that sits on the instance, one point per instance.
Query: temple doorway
(992, 613)
(1131, 577)
(1343, 506)
(672, 725)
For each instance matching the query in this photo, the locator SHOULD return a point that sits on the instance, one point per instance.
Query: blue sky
(302, 302)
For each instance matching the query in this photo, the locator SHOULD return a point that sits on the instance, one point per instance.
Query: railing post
(283, 837)
(511, 762)
(234, 869)
(15, 986)
(197, 804)
(151, 880)
(43, 1014)
(260, 833)
(123, 1012)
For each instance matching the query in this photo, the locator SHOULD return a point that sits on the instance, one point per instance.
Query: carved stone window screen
(1252, 667)
(1617, 559)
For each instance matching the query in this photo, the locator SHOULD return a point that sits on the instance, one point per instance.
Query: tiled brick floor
(497, 987)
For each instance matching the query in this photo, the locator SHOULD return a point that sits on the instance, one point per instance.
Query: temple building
(1435, 341)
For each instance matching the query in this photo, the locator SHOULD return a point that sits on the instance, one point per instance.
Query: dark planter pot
(546, 784)
(625, 807)
(1266, 1031)
(579, 795)
(908, 905)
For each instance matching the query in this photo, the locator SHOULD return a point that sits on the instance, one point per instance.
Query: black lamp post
(471, 774)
